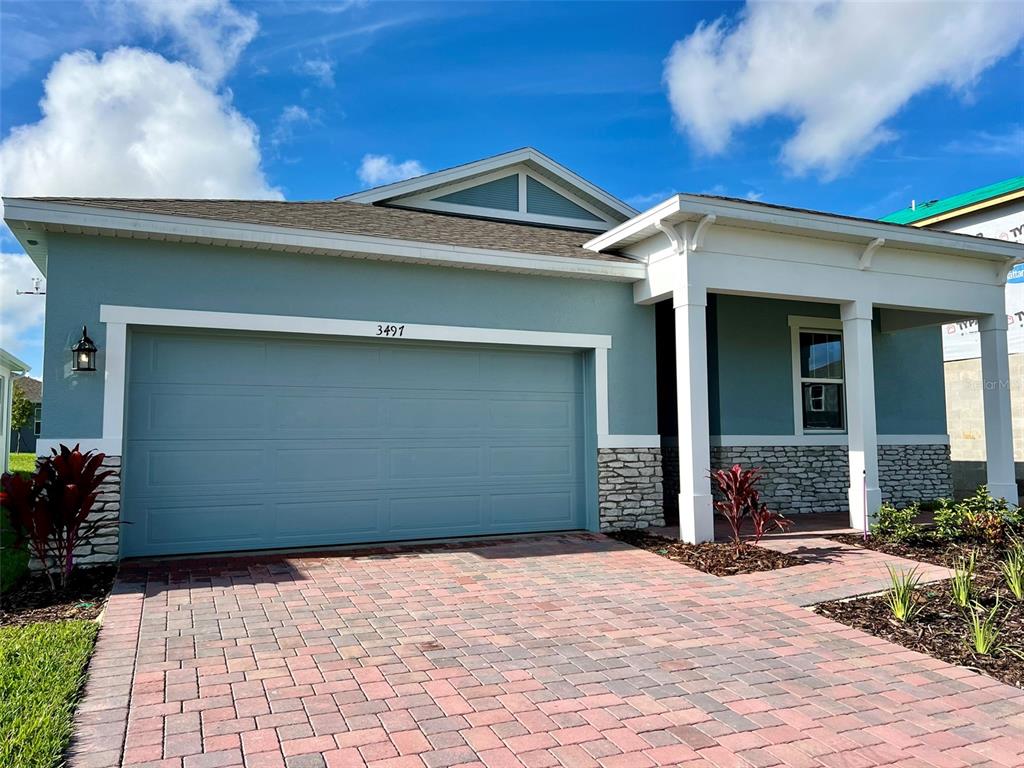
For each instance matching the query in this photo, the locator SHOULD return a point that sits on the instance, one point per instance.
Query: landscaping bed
(42, 667)
(940, 630)
(31, 600)
(717, 558)
(976, 618)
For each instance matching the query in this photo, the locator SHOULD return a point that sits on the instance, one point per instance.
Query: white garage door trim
(117, 319)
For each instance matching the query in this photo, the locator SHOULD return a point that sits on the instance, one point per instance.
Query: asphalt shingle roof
(368, 220)
(31, 388)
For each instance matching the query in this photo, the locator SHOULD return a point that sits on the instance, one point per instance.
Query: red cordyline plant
(740, 500)
(49, 510)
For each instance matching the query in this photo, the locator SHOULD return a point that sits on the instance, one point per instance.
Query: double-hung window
(37, 420)
(819, 396)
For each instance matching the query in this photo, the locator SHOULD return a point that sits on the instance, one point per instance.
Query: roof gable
(523, 185)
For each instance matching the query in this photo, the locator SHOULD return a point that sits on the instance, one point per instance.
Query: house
(23, 440)
(9, 366)
(500, 347)
(994, 211)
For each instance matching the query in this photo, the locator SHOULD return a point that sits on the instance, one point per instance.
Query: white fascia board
(812, 224)
(93, 220)
(11, 363)
(488, 164)
(820, 438)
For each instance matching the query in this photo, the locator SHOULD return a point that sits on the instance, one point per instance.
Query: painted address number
(390, 330)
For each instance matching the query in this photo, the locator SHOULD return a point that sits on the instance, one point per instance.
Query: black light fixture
(83, 354)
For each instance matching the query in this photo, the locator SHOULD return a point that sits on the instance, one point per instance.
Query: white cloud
(382, 169)
(321, 70)
(21, 317)
(211, 34)
(290, 117)
(1008, 142)
(133, 124)
(839, 70)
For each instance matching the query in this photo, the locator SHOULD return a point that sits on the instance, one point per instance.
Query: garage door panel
(327, 465)
(409, 415)
(344, 365)
(202, 465)
(434, 462)
(526, 461)
(345, 441)
(527, 371)
(186, 524)
(197, 358)
(328, 413)
(331, 519)
(558, 416)
(547, 509)
(426, 516)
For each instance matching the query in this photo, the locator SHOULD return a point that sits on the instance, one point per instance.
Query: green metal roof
(947, 204)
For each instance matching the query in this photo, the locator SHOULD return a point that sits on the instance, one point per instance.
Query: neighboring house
(24, 440)
(9, 367)
(501, 347)
(995, 211)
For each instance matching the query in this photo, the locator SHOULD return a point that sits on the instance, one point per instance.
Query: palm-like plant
(901, 596)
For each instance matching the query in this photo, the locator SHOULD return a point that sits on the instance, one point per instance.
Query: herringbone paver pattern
(554, 651)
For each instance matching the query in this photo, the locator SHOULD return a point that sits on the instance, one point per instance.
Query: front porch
(809, 344)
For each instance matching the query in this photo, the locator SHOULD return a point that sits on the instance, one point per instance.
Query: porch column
(995, 377)
(865, 496)
(696, 517)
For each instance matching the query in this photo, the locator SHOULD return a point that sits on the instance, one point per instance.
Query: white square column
(995, 378)
(865, 495)
(696, 515)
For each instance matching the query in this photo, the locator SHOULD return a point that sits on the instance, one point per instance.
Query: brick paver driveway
(551, 651)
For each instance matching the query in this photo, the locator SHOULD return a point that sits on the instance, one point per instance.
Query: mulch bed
(717, 558)
(941, 629)
(31, 599)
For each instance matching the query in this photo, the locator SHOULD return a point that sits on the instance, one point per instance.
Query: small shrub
(902, 594)
(896, 524)
(984, 631)
(739, 489)
(962, 582)
(49, 510)
(1013, 568)
(765, 520)
(977, 518)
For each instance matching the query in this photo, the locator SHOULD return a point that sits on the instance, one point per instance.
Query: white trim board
(111, 447)
(118, 318)
(773, 441)
(629, 441)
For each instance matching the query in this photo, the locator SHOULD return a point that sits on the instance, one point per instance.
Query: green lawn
(13, 562)
(22, 462)
(41, 671)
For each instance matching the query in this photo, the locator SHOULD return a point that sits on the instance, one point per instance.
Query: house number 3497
(390, 330)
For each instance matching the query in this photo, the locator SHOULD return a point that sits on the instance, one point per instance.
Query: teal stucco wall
(85, 272)
(751, 377)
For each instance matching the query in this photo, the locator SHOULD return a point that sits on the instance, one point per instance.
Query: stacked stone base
(629, 486)
(101, 549)
(815, 478)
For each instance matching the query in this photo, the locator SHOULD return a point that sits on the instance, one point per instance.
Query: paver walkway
(551, 651)
(834, 570)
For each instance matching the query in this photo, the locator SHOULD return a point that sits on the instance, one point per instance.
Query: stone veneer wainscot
(629, 486)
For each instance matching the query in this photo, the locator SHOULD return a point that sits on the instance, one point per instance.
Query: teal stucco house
(497, 348)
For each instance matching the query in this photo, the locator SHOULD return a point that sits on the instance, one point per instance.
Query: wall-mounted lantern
(83, 354)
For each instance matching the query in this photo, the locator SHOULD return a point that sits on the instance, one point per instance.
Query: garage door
(238, 441)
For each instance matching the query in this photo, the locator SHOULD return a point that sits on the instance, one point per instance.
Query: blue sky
(435, 85)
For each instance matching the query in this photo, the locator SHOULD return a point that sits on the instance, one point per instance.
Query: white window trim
(118, 318)
(819, 438)
(798, 324)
